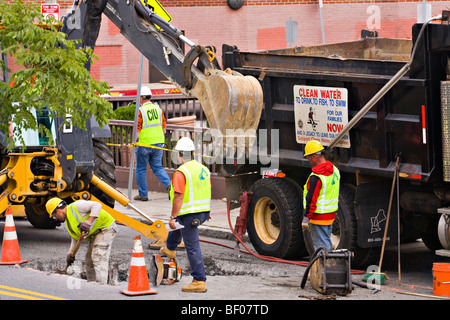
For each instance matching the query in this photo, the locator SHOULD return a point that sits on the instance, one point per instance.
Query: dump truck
(79, 165)
(369, 102)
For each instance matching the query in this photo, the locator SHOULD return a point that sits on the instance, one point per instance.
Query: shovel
(74, 252)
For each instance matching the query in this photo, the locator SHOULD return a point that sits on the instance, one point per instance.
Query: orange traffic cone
(138, 282)
(10, 247)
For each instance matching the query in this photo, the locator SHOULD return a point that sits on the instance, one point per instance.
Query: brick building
(258, 25)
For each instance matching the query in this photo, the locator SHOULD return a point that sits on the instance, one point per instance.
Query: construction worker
(151, 127)
(97, 225)
(190, 195)
(320, 196)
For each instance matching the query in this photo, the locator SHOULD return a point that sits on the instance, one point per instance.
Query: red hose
(266, 258)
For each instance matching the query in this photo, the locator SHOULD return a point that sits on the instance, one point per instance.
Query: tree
(53, 78)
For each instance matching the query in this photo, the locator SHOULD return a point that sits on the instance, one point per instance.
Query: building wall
(258, 25)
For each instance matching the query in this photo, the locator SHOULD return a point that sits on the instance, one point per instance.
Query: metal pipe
(370, 104)
(187, 41)
(135, 123)
(117, 195)
(140, 212)
(383, 90)
(321, 20)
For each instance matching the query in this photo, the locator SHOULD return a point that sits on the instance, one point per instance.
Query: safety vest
(197, 193)
(73, 219)
(328, 199)
(152, 131)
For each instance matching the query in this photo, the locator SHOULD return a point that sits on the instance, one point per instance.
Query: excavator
(79, 165)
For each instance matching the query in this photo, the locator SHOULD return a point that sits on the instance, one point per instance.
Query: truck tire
(105, 168)
(430, 236)
(345, 229)
(274, 219)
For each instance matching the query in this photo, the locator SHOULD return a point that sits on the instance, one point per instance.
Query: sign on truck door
(320, 114)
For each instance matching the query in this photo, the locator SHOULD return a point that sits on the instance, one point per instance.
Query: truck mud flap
(371, 206)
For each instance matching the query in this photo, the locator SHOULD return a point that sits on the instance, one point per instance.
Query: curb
(211, 232)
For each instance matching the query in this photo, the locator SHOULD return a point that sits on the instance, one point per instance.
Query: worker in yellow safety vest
(150, 128)
(87, 218)
(190, 195)
(320, 196)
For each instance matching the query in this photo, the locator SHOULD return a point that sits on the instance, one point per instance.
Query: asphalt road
(231, 279)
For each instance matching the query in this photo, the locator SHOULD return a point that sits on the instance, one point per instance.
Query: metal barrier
(173, 105)
(121, 141)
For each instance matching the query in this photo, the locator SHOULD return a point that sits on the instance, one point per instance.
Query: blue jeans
(153, 157)
(321, 236)
(191, 241)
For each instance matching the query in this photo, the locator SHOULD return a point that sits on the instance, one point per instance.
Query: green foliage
(124, 113)
(53, 77)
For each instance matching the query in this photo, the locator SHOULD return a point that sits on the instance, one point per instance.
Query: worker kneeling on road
(320, 196)
(190, 194)
(98, 226)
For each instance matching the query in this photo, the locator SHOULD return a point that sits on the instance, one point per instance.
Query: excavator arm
(231, 102)
(229, 99)
(154, 229)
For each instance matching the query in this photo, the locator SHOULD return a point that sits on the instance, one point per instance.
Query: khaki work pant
(97, 255)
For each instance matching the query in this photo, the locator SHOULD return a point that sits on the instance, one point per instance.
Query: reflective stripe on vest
(328, 199)
(152, 130)
(197, 193)
(73, 219)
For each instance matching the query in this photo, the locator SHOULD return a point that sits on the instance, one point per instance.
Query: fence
(121, 140)
(173, 107)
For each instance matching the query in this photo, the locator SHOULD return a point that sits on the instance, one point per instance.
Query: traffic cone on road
(10, 247)
(138, 283)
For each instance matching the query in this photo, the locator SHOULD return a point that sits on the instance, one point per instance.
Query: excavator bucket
(232, 104)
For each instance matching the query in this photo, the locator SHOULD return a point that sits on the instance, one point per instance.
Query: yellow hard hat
(313, 146)
(52, 204)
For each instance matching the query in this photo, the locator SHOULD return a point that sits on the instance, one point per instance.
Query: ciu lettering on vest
(152, 114)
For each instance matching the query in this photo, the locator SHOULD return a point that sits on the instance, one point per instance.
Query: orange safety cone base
(12, 262)
(138, 293)
(138, 283)
(10, 247)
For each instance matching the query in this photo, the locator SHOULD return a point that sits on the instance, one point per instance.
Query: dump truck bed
(406, 121)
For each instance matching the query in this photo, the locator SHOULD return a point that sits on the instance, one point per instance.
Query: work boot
(195, 286)
(138, 197)
(171, 254)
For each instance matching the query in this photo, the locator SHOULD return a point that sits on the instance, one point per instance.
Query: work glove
(305, 224)
(84, 227)
(70, 258)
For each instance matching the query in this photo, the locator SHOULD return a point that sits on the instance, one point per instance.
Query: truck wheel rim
(267, 220)
(444, 231)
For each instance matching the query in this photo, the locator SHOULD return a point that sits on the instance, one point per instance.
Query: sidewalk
(158, 207)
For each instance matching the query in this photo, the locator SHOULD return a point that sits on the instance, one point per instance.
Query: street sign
(50, 10)
(157, 8)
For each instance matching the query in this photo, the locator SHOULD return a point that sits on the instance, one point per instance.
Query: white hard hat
(145, 91)
(185, 144)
